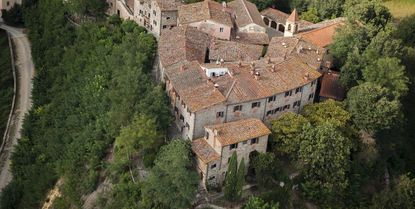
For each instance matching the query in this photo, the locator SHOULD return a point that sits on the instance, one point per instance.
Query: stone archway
(281, 28)
(266, 21)
(274, 25)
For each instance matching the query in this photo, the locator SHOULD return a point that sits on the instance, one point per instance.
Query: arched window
(289, 27)
(266, 21)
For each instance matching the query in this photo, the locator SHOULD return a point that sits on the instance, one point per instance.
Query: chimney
(216, 86)
(268, 60)
(182, 68)
(215, 132)
(239, 63)
(224, 5)
(273, 68)
(257, 75)
(222, 61)
(307, 76)
(231, 73)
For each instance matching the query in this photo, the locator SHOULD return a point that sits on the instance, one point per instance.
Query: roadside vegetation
(6, 82)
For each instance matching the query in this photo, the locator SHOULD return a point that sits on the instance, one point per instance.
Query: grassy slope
(401, 8)
(6, 81)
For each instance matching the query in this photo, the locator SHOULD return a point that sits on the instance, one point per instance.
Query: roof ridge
(247, 10)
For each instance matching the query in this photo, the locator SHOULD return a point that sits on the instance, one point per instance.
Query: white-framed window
(220, 114)
(256, 104)
(237, 108)
(271, 99)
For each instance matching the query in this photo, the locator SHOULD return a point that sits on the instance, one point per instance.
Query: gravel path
(25, 71)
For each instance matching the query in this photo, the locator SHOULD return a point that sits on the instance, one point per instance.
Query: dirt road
(25, 71)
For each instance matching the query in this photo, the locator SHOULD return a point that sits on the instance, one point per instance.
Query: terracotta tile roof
(331, 88)
(321, 37)
(276, 15)
(183, 43)
(169, 5)
(293, 16)
(205, 10)
(321, 24)
(204, 151)
(192, 85)
(242, 86)
(199, 92)
(234, 51)
(281, 47)
(251, 38)
(246, 13)
(238, 131)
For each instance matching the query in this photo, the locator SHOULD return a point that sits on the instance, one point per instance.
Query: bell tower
(291, 25)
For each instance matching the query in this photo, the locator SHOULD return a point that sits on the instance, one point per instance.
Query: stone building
(247, 18)
(206, 94)
(8, 4)
(210, 17)
(220, 141)
(154, 15)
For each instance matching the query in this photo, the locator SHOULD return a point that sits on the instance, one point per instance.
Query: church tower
(291, 25)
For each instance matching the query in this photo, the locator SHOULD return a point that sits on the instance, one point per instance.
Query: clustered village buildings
(230, 69)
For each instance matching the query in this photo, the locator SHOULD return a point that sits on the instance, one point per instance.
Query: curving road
(25, 72)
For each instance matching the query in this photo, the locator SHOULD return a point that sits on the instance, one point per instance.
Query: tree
(231, 179)
(328, 111)
(241, 179)
(95, 8)
(328, 9)
(324, 160)
(265, 169)
(258, 203)
(372, 13)
(406, 29)
(351, 71)
(285, 131)
(384, 44)
(349, 38)
(388, 73)
(372, 108)
(310, 15)
(172, 183)
(140, 136)
(263, 4)
(401, 197)
(14, 16)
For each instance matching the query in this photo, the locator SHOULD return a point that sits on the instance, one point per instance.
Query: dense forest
(6, 82)
(98, 116)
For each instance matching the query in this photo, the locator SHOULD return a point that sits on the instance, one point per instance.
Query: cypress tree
(240, 179)
(231, 180)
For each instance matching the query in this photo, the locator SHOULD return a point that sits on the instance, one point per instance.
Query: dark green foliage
(328, 9)
(406, 29)
(240, 178)
(95, 8)
(172, 182)
(6, 81)
(231, 180)
(372, 107)
(265, 167)
(388, 73)
(258, 203)
(285, 131)
(90, 82)
(310, 15)
(323, 156)
(351, 71)
(14, 16)
(402, 196)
